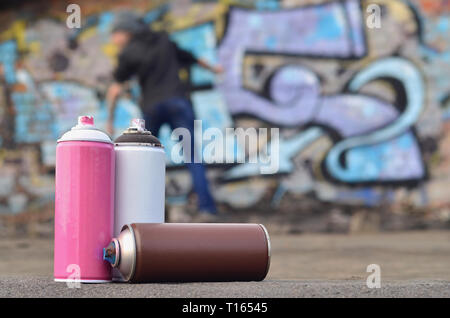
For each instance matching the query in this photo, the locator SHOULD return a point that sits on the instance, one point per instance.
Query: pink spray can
(84, 203)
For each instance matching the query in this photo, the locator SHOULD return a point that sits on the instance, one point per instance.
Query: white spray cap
(138, 124)
(85, 130)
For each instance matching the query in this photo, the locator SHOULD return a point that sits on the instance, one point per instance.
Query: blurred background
(319, 70)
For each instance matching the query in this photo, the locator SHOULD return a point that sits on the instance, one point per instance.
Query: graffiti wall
(363, 110)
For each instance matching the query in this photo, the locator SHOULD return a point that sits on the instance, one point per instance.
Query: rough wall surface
(362, 111)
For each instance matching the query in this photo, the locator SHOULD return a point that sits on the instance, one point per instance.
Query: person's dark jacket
(156, 61)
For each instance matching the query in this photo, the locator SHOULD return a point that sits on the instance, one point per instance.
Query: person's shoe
(178, 214)
(205, 217)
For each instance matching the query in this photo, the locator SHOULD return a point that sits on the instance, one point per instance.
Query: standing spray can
(84, 203)
(140, 177)
(180, 252)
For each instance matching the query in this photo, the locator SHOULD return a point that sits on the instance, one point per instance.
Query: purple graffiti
(331, 30)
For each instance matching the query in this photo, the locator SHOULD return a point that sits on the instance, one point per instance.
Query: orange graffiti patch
(435, 6)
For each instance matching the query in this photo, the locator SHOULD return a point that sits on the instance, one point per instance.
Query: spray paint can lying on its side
(177, 252)
(84, 203)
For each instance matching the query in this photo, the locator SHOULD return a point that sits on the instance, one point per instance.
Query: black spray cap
(137, 134)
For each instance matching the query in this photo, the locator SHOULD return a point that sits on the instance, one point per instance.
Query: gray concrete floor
(43, 286)
(413, 264)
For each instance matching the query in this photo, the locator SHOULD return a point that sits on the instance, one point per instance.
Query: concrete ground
(413, 264)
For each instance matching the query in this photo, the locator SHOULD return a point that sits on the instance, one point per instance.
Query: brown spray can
(181, 252)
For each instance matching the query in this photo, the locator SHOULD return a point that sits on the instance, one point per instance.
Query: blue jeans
(178, 112)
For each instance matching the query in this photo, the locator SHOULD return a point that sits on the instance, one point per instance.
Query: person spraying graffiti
(157, 61)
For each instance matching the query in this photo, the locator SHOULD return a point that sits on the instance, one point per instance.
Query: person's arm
(188, 58)
(126, 68)
(213, 68)
(112, 95)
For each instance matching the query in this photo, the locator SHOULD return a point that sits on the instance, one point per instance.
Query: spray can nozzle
(138, 124)
(86, 121)
(109, 254)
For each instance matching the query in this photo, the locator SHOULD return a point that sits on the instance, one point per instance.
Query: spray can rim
(269, 247)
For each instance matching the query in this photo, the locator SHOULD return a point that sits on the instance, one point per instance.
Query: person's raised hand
(218, 69)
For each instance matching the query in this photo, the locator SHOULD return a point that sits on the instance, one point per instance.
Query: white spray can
(140, 177)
